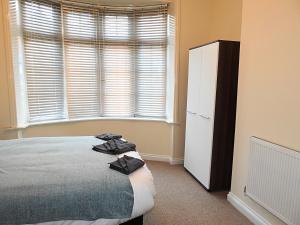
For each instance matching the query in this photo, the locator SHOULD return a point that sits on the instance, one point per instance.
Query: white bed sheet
(144, 193)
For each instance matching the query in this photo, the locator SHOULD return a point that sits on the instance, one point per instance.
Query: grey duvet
(61, 178)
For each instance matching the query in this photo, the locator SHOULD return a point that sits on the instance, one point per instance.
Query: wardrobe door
(208, 81)
(191, 149)
(198, 146)
(195, 65)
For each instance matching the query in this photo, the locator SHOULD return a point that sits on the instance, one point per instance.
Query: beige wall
(4, 93)
(196, 25)
(150, 137)
(226, 18)
(194, 30)
(268, 96)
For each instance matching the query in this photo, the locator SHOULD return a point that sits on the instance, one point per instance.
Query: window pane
(151, 27)
(117, 71)
(79, 24)
(44, 73)
(151, 81)
(151, 72)
(43, 60)
(82, 80)
(81, 60)
(39, 15)
(116, 27)
(118, 81)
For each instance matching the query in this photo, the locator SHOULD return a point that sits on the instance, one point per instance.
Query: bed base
(135, 221)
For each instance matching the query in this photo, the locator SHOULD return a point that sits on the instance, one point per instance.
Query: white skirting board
(161, 158)
(243, 208)
(176, 161)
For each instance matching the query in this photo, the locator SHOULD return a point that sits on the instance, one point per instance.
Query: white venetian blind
(151, 39)
(43, 60)
(81, 60)
(117, 62)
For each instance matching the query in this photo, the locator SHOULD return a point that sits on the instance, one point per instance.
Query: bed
(61, 181)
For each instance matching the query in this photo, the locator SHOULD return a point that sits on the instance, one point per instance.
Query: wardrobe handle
(205, 117)
(191, 113)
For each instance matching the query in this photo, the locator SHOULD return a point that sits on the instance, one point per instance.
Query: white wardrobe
(210, 118)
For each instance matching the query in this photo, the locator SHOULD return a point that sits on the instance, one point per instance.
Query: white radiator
(274, 179)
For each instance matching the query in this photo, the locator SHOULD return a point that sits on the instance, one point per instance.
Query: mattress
(141, 182)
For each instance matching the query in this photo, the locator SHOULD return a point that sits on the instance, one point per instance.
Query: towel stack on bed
(115, 145)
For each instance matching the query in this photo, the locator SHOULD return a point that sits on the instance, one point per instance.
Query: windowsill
(93, 119)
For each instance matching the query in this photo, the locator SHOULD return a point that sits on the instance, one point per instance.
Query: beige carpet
(180, 200)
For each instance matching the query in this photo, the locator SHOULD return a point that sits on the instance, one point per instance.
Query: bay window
(82, 61)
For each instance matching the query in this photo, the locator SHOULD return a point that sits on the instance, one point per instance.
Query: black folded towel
(108, 136)
(126, 164)
(115, 147)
